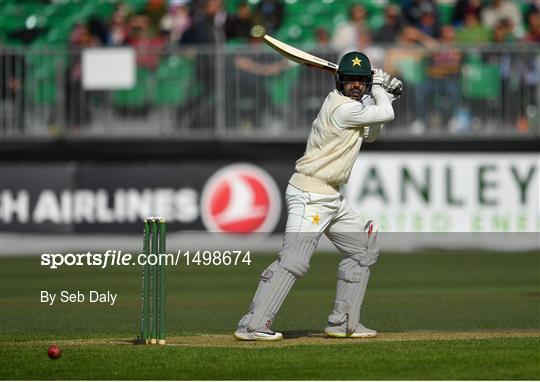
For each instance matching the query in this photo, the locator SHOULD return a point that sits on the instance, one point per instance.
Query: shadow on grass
(291, 334)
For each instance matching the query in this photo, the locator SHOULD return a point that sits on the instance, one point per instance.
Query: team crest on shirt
(315, 219)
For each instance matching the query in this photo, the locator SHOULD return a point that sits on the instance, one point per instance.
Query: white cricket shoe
(244, 334)
(341, 332)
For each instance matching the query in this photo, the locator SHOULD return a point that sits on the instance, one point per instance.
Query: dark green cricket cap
(354, 64)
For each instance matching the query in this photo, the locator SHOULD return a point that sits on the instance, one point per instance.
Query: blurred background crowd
(469, 66)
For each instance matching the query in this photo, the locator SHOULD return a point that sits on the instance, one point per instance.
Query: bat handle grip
(397, 91)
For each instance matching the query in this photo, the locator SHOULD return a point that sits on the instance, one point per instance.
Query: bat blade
(298, 55)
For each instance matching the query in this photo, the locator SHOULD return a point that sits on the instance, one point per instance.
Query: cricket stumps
(153, 283)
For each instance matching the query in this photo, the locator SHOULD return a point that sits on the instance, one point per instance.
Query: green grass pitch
(441, 315)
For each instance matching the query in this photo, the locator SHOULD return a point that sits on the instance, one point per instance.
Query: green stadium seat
(376, 21)
(104, 9)
(41, 83)
(235, 43)
(480, 81)
(59, 34)
(231, 5)
(326, 9)
(280, 87)
(139, 95)
(136, 6)
(445, 12)
(339, 18)
(324, 22)
(10, 23)
(175, 67)
(374, 8)
(306, 20)
(174, 85)
(41, 86)
(312, 8)
(169, 94)
(51, 10)
(44, 93)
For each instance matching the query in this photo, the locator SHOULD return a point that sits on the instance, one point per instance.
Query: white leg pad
(350, 290)
(266, 275)
(271, 298)
(278, 279)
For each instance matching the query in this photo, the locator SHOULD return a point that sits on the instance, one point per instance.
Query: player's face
(355, 88)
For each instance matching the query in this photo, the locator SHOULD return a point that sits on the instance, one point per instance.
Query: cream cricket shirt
(335, 139)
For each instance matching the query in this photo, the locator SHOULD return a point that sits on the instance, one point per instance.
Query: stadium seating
(139, 95)
(44, 70)
(302, 17)
(173, 77)
(174, 83)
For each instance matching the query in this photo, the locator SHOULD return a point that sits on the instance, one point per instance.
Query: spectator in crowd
(511, 68)
(176, 21)
(12, 79)
(374, 52)
(408, 50)
(414, 10)
(534, 5)
(207, 29)
(238, 25)
(520, 76)
(99, 29)
(322, 37)
(147, 45)
(247, 99)
(464, 9)
(345, 37)
(428, 22)
(155, 10)
(498, 10)
(77, 113)
(118, 29)
(431, 75)
(391, 27)
(313, 85)
(437, 97)
(406, 60)
(531, 72)
(533, 24)
(529, 111)
(270, 13)
(207, 26)
(504, 31)
(472, 31)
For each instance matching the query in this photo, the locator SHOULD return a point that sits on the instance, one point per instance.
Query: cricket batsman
(353, 112)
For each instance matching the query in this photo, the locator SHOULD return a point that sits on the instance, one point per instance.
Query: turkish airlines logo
(240, 198)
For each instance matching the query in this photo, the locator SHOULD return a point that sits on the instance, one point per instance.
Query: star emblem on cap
(315, 219)
(356, 61)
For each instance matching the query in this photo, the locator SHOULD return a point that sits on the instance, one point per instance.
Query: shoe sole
(352, 335)
(253, 337)
(244, 336)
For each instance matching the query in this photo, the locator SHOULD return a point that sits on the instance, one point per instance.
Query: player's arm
(353, 115)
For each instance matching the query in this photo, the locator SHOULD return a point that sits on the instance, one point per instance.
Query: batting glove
(394, 87)
(380, 77)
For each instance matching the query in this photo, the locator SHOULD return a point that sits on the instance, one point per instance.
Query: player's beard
(355, 93)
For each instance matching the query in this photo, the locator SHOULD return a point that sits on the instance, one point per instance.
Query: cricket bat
(304, 58)
(299, 56)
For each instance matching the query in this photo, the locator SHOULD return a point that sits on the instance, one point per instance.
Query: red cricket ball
(54, 352)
